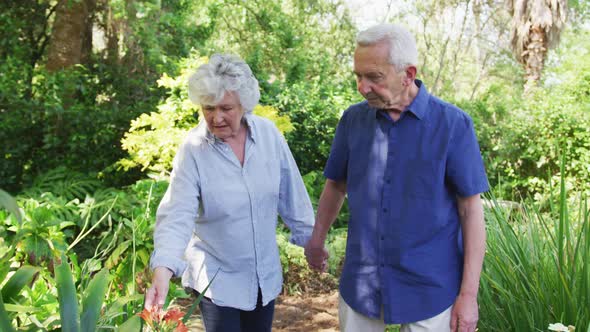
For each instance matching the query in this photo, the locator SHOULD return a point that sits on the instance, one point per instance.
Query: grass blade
(93, 299)
(189, 313)
(5, 322)
(66, 293)
(19, 279)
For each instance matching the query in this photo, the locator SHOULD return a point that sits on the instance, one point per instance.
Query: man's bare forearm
(329, 206)
(474, 242)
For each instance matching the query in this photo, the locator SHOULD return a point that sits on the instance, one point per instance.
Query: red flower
(162, 321)
(181, 327)
(173, 315)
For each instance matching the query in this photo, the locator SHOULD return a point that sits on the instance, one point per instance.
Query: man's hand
(156, 294)
(317, 256)
(464, 315)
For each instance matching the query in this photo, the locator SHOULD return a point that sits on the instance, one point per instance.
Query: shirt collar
(249, 124)
(419, 105)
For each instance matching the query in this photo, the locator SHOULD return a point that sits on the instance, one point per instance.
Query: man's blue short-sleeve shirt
(404, 250)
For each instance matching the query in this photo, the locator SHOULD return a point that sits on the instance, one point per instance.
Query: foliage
(537, 268)
(521, 139)
(314, 108)
(285, 41)
(70, 320)
(297, 277)
(314, 184)
(282, 122)
(76, 117)
(119, 240)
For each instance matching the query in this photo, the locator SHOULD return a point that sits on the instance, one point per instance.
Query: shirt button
(385, 210)
(383, 238)
(388, 181)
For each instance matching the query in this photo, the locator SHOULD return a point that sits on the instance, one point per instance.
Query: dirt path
(307, 313)
(295, 313)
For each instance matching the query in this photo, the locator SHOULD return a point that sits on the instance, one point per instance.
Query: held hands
(317, 256)
(156, 294)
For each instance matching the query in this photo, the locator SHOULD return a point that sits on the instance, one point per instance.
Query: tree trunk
(112, 30)
(65, 46)
(86, 51)
(534, 58)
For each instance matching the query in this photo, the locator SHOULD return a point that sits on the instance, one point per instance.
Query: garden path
(294, 313)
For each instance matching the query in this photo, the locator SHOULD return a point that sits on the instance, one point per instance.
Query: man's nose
(363, 86)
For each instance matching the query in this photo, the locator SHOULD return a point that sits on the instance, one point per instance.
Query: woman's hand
(156, 294)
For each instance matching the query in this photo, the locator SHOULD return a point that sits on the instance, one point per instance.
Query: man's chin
(376, 103)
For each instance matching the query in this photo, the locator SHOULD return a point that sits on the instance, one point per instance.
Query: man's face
(376, 79)
(224, 118)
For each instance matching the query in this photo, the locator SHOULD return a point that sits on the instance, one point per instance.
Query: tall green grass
(536, 269)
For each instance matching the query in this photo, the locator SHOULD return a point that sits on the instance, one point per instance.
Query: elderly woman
(231, 176)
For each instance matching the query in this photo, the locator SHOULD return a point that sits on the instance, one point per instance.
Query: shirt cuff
(300, 240)
(176, 265)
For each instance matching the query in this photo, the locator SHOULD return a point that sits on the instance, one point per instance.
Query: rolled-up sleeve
(176, 215)
(294, 204)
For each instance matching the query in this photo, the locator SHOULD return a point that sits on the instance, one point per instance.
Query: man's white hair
(224, 73)
(402, 45)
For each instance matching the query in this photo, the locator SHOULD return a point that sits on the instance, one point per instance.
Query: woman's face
(224, 119)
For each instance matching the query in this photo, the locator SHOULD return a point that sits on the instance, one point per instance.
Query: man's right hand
(317, 256)
(156, 294)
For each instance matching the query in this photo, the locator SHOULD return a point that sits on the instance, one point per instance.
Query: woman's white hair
(223, 73)
(402, 45)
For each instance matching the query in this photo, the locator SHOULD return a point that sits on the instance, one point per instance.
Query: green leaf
(21, 308)
(92, 302)
(118, 306)
(68, 303)
(9, 203)
(117, 254)
(132, 324)
(5, 323)
(19, 279)
(189, 313)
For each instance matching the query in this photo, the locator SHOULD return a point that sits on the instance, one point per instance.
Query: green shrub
(314, 107)
(521, 138)
(314, 183)
(297, 277)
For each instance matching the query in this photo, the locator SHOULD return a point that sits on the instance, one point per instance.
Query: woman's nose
(217, 116)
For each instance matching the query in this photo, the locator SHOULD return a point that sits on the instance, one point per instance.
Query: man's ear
(410, 75)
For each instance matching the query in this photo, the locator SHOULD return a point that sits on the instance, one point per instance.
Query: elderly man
(411, 167)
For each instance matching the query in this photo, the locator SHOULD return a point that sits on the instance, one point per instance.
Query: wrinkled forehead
(224, 97)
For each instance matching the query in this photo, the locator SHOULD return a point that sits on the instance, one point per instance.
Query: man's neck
(396, 111)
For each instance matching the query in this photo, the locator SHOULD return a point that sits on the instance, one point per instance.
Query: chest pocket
(424, 178)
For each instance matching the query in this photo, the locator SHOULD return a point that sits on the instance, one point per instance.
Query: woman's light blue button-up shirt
(218, 215)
